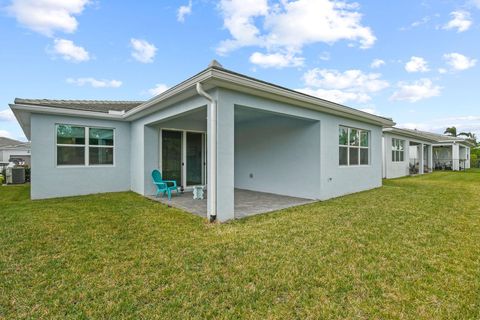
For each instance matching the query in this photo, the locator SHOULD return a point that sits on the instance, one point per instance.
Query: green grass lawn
(408, 250)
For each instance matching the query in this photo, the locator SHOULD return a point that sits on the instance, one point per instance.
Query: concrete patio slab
(247, 203)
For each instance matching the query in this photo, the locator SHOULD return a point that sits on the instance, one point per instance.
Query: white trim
(64, 111)
(210, 78)
(86, 147)
(183, 173)
(359, 147)
(403, 142)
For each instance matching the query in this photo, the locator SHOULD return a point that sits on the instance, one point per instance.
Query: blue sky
(414, 61)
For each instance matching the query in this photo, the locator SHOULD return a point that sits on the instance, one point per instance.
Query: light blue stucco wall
(297, 146)
(50, 181)
(144, 142)
(335, 180)
(278, 155)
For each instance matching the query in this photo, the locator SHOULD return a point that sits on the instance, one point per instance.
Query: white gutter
(212, 145)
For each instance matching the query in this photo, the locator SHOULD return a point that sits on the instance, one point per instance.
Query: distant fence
(438, 164)
(414, 166)
(447, 164)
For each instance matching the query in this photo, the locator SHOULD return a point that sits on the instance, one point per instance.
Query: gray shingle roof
(437, 136)
(87, 105)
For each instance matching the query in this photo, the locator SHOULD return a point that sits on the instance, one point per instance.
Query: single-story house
(14, 151)
(417, 152)
(218, 128)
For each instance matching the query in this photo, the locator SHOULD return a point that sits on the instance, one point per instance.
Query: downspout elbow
(202, 92)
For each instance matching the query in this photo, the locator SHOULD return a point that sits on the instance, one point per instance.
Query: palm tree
(452, 131)
(470, 136)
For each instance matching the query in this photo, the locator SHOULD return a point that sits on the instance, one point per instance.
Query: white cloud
(48, 16)
(461, 21)
(184, 11)
(377, 63)
(7, 115)
(459, 62)
(276, 60)
(416, 91)
(69, 51)
(420, 22)
(462, 123)
(6, 134)
(159, 88)
(416, 64)
(290, 25)
(337, 96)
(341, 87)
(142, 50)
(95, 83)
(442, 70)
(350, 79)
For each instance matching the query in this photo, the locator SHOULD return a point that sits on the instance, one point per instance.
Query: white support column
(225, 159)
(211, 157)
(430, 158)
(420, 159)
(455, 157)
(467, 162)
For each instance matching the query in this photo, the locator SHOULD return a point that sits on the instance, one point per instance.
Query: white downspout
(212, 139)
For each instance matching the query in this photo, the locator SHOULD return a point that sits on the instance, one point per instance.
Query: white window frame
(402, 143)
(184, 154)
(358, 148)
(86, 147)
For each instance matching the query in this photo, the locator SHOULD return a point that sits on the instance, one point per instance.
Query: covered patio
(247, 203)
(258, 162)
(451, 157)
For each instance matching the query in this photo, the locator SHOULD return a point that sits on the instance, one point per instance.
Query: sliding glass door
(194, 158)
(172, 156)
(183, 157)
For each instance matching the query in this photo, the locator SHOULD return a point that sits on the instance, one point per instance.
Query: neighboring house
(416, 152)
(218, 128)
(406, 152)
(14, 151)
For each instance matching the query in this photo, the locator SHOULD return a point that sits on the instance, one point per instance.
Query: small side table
(198, 193)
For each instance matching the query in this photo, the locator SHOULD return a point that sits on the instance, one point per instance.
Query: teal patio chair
(163, 185)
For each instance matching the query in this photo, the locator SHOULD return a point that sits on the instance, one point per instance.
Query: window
(84, 146)
(398, 150)
(353, 146)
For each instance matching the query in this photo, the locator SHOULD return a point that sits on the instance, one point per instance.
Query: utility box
(198, 193)
(15, 175)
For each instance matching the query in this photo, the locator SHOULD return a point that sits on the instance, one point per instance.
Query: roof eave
(23, 113)
(225, 78)
(294, 97)
(409, 134)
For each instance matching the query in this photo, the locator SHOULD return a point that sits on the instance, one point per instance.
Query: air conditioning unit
(15, 175)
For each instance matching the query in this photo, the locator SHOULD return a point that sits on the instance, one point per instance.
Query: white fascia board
(65, 112)
(410, 135)
(23, 112)
(190, 83)
(236, 82)
(462, 142)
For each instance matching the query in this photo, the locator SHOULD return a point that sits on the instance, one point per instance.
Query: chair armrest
(171, 181)
(160, 184)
